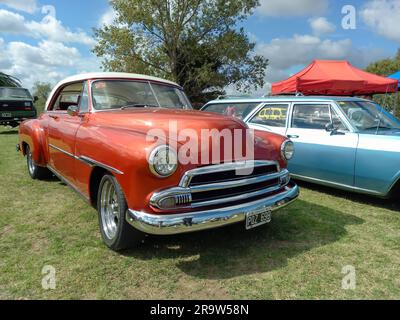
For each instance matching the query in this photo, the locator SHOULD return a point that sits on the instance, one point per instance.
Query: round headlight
(163, 161)
(287, 150)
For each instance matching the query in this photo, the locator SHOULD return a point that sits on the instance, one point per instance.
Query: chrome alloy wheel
(109, 210)
(31, 164)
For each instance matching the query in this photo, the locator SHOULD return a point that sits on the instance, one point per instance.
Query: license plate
(6, 115)
(258, 217)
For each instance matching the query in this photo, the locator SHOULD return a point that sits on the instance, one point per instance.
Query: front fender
(274, 142)
(127, 152)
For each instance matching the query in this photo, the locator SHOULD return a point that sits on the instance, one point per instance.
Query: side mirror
(73, 111)
(330, 127)
(35, 98)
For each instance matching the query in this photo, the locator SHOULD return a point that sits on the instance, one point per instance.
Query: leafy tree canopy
(196, 43)
(42, 91)
(385, 68)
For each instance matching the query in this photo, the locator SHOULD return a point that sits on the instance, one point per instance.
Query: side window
(310, 116)
(273, 115)
(69, 96)
(84, 100)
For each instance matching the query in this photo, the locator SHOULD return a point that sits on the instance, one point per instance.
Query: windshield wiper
(139, 105)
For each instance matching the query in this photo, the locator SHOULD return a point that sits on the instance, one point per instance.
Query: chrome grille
(224, 183)
(213, 185)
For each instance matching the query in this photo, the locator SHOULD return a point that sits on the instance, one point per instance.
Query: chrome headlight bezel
(287, 150)
(153, 161)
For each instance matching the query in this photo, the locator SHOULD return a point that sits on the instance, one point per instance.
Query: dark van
(16, 105)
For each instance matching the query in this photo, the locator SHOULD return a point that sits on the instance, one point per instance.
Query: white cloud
(37, 63)
(321, 26)
(108, 17)
(292, 7)
(49, 27)
(12, 23)
(49, 61)
(53, 57)
(383, 17)
(29, 6)
(284, 54)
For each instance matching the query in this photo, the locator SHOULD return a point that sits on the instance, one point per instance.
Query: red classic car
(98, 134)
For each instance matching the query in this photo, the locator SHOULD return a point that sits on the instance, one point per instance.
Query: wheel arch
(395, 189)
(94, 182)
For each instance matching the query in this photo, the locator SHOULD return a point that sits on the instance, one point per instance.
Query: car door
(62, 131)
(321, 155)
(270, 117)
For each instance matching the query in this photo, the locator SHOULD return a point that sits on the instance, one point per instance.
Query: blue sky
(49, 39)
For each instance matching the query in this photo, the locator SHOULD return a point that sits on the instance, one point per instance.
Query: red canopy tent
(338, 78)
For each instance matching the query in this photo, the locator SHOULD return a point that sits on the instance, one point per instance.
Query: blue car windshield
(368, 116)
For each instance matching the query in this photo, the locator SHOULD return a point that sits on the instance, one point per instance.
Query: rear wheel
(34, 170)
(116, 232)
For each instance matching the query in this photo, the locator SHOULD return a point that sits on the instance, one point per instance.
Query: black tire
(35, 171)
(116, 232)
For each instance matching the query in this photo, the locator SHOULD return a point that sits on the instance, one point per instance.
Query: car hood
(157, 118)
(150, 122)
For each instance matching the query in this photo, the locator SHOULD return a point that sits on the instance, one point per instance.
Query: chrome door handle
(293, 136)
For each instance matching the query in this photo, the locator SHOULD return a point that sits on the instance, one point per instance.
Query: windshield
(119, 94)
(368, 116)
(14, 94)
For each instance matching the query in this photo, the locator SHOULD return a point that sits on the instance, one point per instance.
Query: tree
(386, 67)
(9, 81)
(196, 43)
(42, 91)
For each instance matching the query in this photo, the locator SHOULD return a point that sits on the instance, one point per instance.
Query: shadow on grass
(391, 204)
(229, 252)
(9, 132)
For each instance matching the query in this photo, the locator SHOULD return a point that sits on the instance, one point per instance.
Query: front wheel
(116, 232)
(34, 170)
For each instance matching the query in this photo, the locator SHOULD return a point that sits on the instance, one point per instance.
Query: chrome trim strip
(68, 183)
(239, 197)
(93, 163)
(240, 165)
(90, 162)
(337, 185)
(202, 220)
(63, 151)
(237, 183)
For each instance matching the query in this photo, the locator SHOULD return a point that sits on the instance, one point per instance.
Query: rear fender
(32, 134)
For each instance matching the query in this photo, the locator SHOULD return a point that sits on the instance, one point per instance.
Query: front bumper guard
(207, 219)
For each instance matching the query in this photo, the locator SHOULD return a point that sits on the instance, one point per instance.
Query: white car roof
(106, 75)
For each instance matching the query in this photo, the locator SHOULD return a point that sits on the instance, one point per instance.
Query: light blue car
(347, 143)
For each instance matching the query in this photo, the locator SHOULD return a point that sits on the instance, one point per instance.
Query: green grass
(300, 255)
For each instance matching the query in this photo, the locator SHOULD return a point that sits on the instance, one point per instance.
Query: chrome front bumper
(207, 219)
